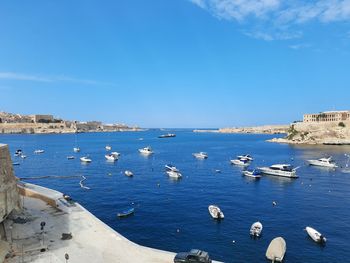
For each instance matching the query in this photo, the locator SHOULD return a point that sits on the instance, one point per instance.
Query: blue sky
(183, 63)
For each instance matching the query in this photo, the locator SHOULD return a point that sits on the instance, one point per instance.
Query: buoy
(178, 230)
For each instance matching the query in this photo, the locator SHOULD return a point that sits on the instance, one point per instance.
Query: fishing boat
(240, 162)
(245, 156)
(174, 175)
(170, 167)
(256, 174)
(108, 147)
(111, 157)
(70, 157)
(276, 250)
(146, 151)
(168, 135)
(126, 212)
(315, 235)
(256, 229)
(128, 173)
(283, 170)
(215, 212)
(76, 149)
(201, 155)
(39, 151)
(85, 159)
(324, 162)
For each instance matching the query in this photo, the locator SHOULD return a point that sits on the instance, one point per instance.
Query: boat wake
(81, 183)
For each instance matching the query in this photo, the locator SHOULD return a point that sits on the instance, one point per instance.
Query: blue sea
(173, 215)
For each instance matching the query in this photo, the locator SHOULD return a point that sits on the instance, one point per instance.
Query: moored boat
(246, 156)
(201, 155)
(256, 174)
(215, 212)
(168, 135)
(315, 235)
(324, 162)
(115, 154)
(111, 157)
(18, 152)
(256, 229)
(39, 151)
(240, 162)
(76, 149)
(174, 174)
(283, 170)
(70, 157)
(146, 151)
(85, 159)
(108, 147)
(126, 212)
(276, 250)
(170, 167)
(128, 173)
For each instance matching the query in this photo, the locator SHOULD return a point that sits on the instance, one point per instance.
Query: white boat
(325, 162)
(171, 167)
(70, 157)
(246, 156)
(76, 149)
(254, 174)
(115, 154)
(173, 174)
(18, 152)
(168, 135)
(128, 173)
(39, 151)
(315, 235)
(240, 162)
(276, 249)
(111, 157)
(147, 150)
(108, 147)
(23, 156)
(216, 212)
(284, 170)
(85, 159)
(256, 229)
(201, 155)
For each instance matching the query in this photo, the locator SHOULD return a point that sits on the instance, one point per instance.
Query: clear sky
(175, 63)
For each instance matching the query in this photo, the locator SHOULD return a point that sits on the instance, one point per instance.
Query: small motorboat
(39, 151)
(126, 212)
(174, 175)
(85, 159)
(70, 157)
(111, 157)
(240, 162)
(76, 149)
(256, 174)
(23, 156)
(108, 147)
(128, 173)
(18, 152)
(170, 167)
(276, 249)
(215, 212)
(256, 229)
(168, 135)
(201, 155)
(115, 154)
(146, 151)
(324, 162)
(246, 156)
(315, 235)
(16, 163)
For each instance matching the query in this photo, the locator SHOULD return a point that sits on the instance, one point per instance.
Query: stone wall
(9, 195)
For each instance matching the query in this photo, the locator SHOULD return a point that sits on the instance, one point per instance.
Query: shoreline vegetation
(46, 124)
(321, 133)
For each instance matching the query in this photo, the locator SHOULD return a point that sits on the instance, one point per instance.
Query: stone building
(40, 118)
(327, 116)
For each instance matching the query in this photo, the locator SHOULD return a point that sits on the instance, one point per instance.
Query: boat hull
(287, 174)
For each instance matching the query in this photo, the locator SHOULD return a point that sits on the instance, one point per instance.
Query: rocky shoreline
(266, 129)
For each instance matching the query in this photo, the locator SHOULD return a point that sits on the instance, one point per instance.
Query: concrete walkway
(92, 240)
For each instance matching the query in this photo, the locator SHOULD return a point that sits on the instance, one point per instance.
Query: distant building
(38, 118)
(327, 116)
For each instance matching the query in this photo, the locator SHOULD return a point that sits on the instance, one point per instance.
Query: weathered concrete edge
(52, 197)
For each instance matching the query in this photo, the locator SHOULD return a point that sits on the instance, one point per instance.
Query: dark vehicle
(194, 256)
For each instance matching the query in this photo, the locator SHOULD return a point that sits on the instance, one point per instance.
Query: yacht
(215, 212)
(85, 159)
(241, 162)
(256, 229)
(283, 170)
(246, 156)
(201, 155)
(111, 157)
(39, 151)
(76, 149)
(325, 162)
(108, 147)
(170, 167)
(147, 150)
(168, 135)
(173, 174)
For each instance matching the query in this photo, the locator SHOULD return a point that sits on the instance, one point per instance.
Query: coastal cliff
(328, 133)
